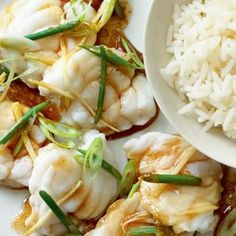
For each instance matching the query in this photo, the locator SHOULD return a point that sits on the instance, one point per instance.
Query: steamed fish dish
(48, 51)
(201, 43)
(70, 82)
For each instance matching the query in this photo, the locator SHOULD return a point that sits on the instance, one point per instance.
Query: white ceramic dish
(213, 143)
(11, 200)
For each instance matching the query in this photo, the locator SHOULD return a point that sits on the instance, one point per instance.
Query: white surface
(11, 200)
(212, 143)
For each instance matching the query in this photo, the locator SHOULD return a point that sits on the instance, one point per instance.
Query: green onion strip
(144, 230)
(111, 57)
(80, 159)
(102, 86)
(51, 128)
(129, 177)
(53, 30)
(65, 220)
(132, 54)
(186, 180)
(25, 119)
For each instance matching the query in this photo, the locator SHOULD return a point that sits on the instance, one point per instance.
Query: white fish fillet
(56, 172)
(173, 205)
(128, 99)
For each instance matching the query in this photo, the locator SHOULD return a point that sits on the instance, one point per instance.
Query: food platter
(11, 200)
(87, 137)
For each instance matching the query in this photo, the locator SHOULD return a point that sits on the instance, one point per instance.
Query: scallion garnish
(134, 189)
(119, 10)
(54, 30)
(59, 129)
(23, 121)
(18, 147)
(129, 177)
(111, 57)
(68, 145)
(105, 165)
(132, 54)
(104, 13)
(144, 230)
(186, 180)
(94, 155)
(102, 86)
(228, 226)
(65, 220)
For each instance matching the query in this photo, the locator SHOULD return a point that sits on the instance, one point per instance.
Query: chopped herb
(105, 165)
(25, 119)
(111, 57)
(94, 155)
(53, 30)
(134, 189)
(18, 147)
(144, 230)
(69, 144)
(187, 180)
(59, 129)
(65, 220)
(132, 53)
(129, 178)
(102, 86)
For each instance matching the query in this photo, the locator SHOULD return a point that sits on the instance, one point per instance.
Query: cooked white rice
(202, 42)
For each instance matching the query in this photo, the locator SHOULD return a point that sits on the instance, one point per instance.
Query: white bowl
(212, 143)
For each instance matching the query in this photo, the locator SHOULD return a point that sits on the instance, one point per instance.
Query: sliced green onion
(111, 57)
(3, 69)
(105, 165)
(129, 178)
(104, 13)
(119, 10)
(65, 220)
(228, 226)
(102, 86)
(53, 30)
(94, 154)
(18, 147)
(25, 119)
(186, 180)
(19, 43)
(59, 129)
(68, 145)
(144, 230)
(132, 54)
(134, 189)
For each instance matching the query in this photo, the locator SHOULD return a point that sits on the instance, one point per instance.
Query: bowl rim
(229, 161)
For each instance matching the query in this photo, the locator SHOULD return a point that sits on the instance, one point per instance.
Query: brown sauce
(18, 222)
(134, 129)
(228, 201)
(20, 92)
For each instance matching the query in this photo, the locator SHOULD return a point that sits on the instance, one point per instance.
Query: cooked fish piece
(186, 209)
(26, 17)
(7, 119)
(15, 171)
(128, 99)
(117, 214)
(56, 172)
(127, 214)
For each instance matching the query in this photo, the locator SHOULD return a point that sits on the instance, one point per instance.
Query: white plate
(11, 200)
(212, 143)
